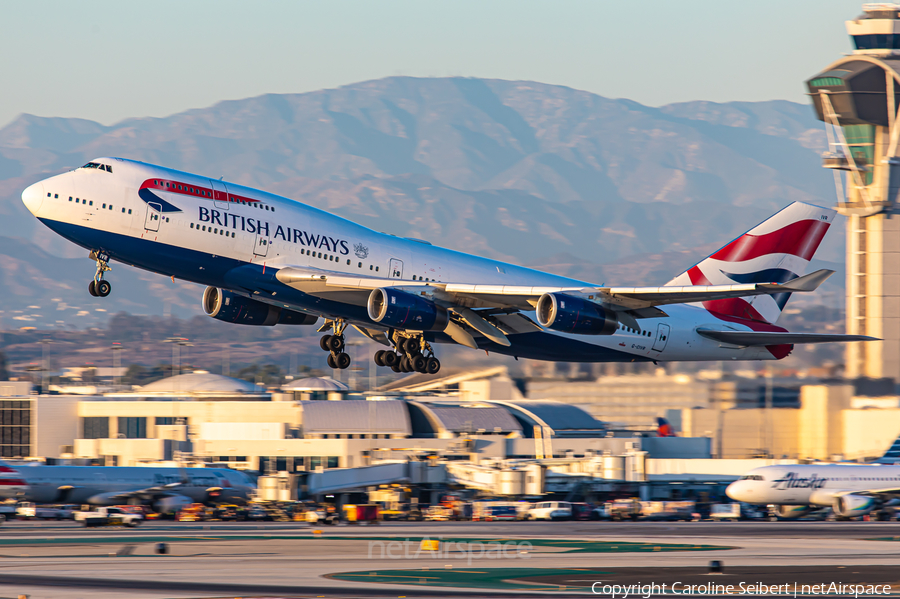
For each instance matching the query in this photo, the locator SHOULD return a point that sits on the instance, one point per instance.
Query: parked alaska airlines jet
(165, 489)
(850, 490)
(270, 260)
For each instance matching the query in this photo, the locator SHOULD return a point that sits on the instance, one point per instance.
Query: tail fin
(777, 250)
(892, 455)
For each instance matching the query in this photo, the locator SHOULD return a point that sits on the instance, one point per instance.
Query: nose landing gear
(412, 354)
(99, 287)
(334, 344)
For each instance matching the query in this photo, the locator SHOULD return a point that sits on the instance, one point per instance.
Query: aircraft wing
(146, 494)
(526, 297)
(751, 338)
(892, 491)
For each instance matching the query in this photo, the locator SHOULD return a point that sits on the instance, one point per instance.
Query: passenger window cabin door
(154, 215)
(396, 269)
(662, 337)
(220, 194)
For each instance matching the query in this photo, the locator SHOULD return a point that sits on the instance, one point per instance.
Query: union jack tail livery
(775, 251)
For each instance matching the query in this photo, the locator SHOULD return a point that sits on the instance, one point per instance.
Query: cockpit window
(752, 477)
(102, 167)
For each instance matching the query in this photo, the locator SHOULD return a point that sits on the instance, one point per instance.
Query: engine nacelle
(790, 512)
(851, 506)
(225, 305)
(570, 314)
(172, 503)
(403, 310)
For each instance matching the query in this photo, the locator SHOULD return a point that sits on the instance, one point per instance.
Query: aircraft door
(396, 269)
(154, 215)
(220, 194)
(261, 248)
(662, 337)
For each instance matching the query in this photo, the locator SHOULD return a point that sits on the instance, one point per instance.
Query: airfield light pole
(44, 365)
(117, 362)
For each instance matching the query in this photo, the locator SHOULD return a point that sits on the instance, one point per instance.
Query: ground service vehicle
(108, 516)
(355, 514)
(489, 511)
(551, 510)
(622, 509)
(31, 511)
(581, 511)
(734, 512)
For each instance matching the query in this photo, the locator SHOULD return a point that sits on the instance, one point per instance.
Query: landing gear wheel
(324, 342)
(379, 361)
(103, 288)
(390, 359)
(406, 364)
(331, 361)
(335, 343)
(92, 288)
(432, 366)
(342, 361)
(396, 366)
(419, 363)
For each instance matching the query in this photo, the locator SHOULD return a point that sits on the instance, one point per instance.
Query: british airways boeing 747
(269, 260)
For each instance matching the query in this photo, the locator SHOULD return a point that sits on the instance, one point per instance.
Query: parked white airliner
(849, 489)
(270, 260)
(166, 489)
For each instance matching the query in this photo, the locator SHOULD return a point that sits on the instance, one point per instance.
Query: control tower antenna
(857, 97)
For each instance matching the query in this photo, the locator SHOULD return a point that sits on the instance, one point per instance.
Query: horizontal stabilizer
(808, 282)
(750, 338)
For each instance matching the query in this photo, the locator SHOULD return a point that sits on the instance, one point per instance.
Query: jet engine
(171, 503)
(404, 310)
(570, 314)
(789, 512)
(851, 506)
(225, 305)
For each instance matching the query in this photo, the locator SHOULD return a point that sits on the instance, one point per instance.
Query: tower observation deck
(858, 97)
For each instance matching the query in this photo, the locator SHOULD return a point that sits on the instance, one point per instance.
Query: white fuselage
(225, 235)
(88, 484)
(811, 484)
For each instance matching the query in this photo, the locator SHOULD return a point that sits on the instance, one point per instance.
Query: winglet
(808, 282)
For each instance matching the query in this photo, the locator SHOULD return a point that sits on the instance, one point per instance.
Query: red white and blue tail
(777, 250)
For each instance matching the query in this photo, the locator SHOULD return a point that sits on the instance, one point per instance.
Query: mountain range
(607, 190)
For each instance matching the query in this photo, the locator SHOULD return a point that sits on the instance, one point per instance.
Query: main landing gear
(98, 286)
(337, 358)
(412, 354)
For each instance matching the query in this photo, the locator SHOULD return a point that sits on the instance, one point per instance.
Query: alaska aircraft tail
(892, 455)
(775, 251)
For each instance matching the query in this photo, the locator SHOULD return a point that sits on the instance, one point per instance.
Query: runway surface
(60, 560)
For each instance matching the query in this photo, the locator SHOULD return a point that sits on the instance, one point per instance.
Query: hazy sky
(106, 61)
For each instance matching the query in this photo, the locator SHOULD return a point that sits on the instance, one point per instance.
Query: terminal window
(15, 428)
(95, 427)
(132, 427)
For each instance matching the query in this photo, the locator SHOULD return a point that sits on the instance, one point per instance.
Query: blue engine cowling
(225, 305)
(570, 314)
(851, 506)
(403, 310)
(790, 512)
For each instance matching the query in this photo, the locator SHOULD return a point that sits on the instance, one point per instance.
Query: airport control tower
(858, 97)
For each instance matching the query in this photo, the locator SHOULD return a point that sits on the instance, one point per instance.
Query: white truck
(734, 512)
(29, 511)
(108, 516)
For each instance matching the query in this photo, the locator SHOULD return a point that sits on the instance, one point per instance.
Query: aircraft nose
(734, 490)
(33, 196)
